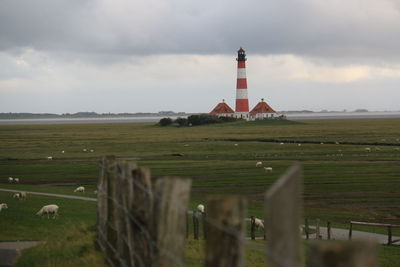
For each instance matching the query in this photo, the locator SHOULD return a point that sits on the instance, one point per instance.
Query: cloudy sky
(63, 56)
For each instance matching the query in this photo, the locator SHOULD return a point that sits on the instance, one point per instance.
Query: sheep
(63, 151)
(200, 208)
(10, 179)
(91, 150)
(3, 206)
(84, 150)
(298, 144)
(16, 180)
(282, 143)
(20, 195)
(258, 223)
(268, 169)
(48, 209)
(185, 145)
(368, 149)
(259, 164)
(49, 158)
(95, 192)
(80, 189)
(236, 144)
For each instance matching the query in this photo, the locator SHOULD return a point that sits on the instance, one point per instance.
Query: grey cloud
(352, 29)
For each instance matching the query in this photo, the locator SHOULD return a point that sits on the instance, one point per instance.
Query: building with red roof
(262, 111)
(222, 110)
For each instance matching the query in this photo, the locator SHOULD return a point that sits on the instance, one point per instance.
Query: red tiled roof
(222, 108)
(262, 107)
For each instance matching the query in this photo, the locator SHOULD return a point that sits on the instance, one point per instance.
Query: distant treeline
(86, 115)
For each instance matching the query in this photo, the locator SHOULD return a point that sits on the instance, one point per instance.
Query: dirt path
(10, 251)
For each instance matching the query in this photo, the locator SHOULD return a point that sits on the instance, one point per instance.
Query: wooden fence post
(140, 199)
(195, 225)
(225, 228)
(317, 230)
(343, 254)
(283, 210)
(203, 221)
(389, 235)
(170, 206)
(187, 225)
(252, 228)
(350, 230)
(107, 169)
(329, 230)
(306, 228)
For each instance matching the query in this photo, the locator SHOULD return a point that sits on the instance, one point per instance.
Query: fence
(144, 222)
(388, 226)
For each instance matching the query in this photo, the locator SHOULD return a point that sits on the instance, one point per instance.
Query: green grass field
(343, 181)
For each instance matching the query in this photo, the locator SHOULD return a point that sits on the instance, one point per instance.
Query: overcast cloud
(138, 56)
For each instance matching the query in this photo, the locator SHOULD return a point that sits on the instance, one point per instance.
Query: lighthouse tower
(242, 102)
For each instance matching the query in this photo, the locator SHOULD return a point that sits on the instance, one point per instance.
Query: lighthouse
(242, 101)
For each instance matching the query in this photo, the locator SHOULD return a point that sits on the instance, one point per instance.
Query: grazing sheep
(259, 164)
(258, 223)
(200, 208)
(80, 189)
(48, 209)
(49, 158)
(91, 150)
(268, 169)
(10, 179)
(186, 145)
(20, 195)
(63, 151)
(282, 143)
(84, 150)
(16, 180)
(322, 143)
(236, 144)
(298, 144)
(368, 149)
(3, 206)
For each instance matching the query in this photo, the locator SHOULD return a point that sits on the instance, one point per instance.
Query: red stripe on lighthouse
(241, 64)
(242, 105)
(241, 84)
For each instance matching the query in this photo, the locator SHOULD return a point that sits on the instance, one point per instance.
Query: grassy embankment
(342, 181)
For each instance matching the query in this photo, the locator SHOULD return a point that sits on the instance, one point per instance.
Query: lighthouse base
(242, 115)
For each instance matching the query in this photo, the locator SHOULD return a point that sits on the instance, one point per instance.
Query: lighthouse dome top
(241, 49)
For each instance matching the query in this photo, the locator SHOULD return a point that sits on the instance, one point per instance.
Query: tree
(165, 122)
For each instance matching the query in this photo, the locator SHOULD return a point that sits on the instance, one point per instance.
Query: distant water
(294, 116)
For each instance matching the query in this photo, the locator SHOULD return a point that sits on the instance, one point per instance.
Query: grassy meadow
(351, 172)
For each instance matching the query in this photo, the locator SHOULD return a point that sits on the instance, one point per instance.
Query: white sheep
(20, 195)
(84, 150)
(258, 223)
(49, 158)
(298, 144)
(16, 180)
(91, 150)
(282, 143)
(200, 208)
(10, 179)
(80, 189)
(368, 149)
(3, 206)
(268, 169)
(259, 164)
(48, 209)
(63, 151)
(236, 144)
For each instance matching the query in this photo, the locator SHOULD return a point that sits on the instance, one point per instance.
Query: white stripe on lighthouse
(241, 73)
(241, 93)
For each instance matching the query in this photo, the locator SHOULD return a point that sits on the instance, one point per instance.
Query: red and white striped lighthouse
(242, 102)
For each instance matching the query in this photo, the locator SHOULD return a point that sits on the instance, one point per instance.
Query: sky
(66, 56)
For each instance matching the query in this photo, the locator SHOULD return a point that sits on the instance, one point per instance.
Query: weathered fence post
(225, 228)
(252, 227)
(187, 225)
(140, 199)
(317, 230)
(107, 169)
(343, 254)
(171, 196)
(350, 230)
(328, 228)
(283, 209)
(389, 235)
(203, 221)
(306, 228)
(195, 225)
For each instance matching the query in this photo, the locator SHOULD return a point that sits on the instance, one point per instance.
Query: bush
(182, 121)
(208, 119)
(165, 122)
